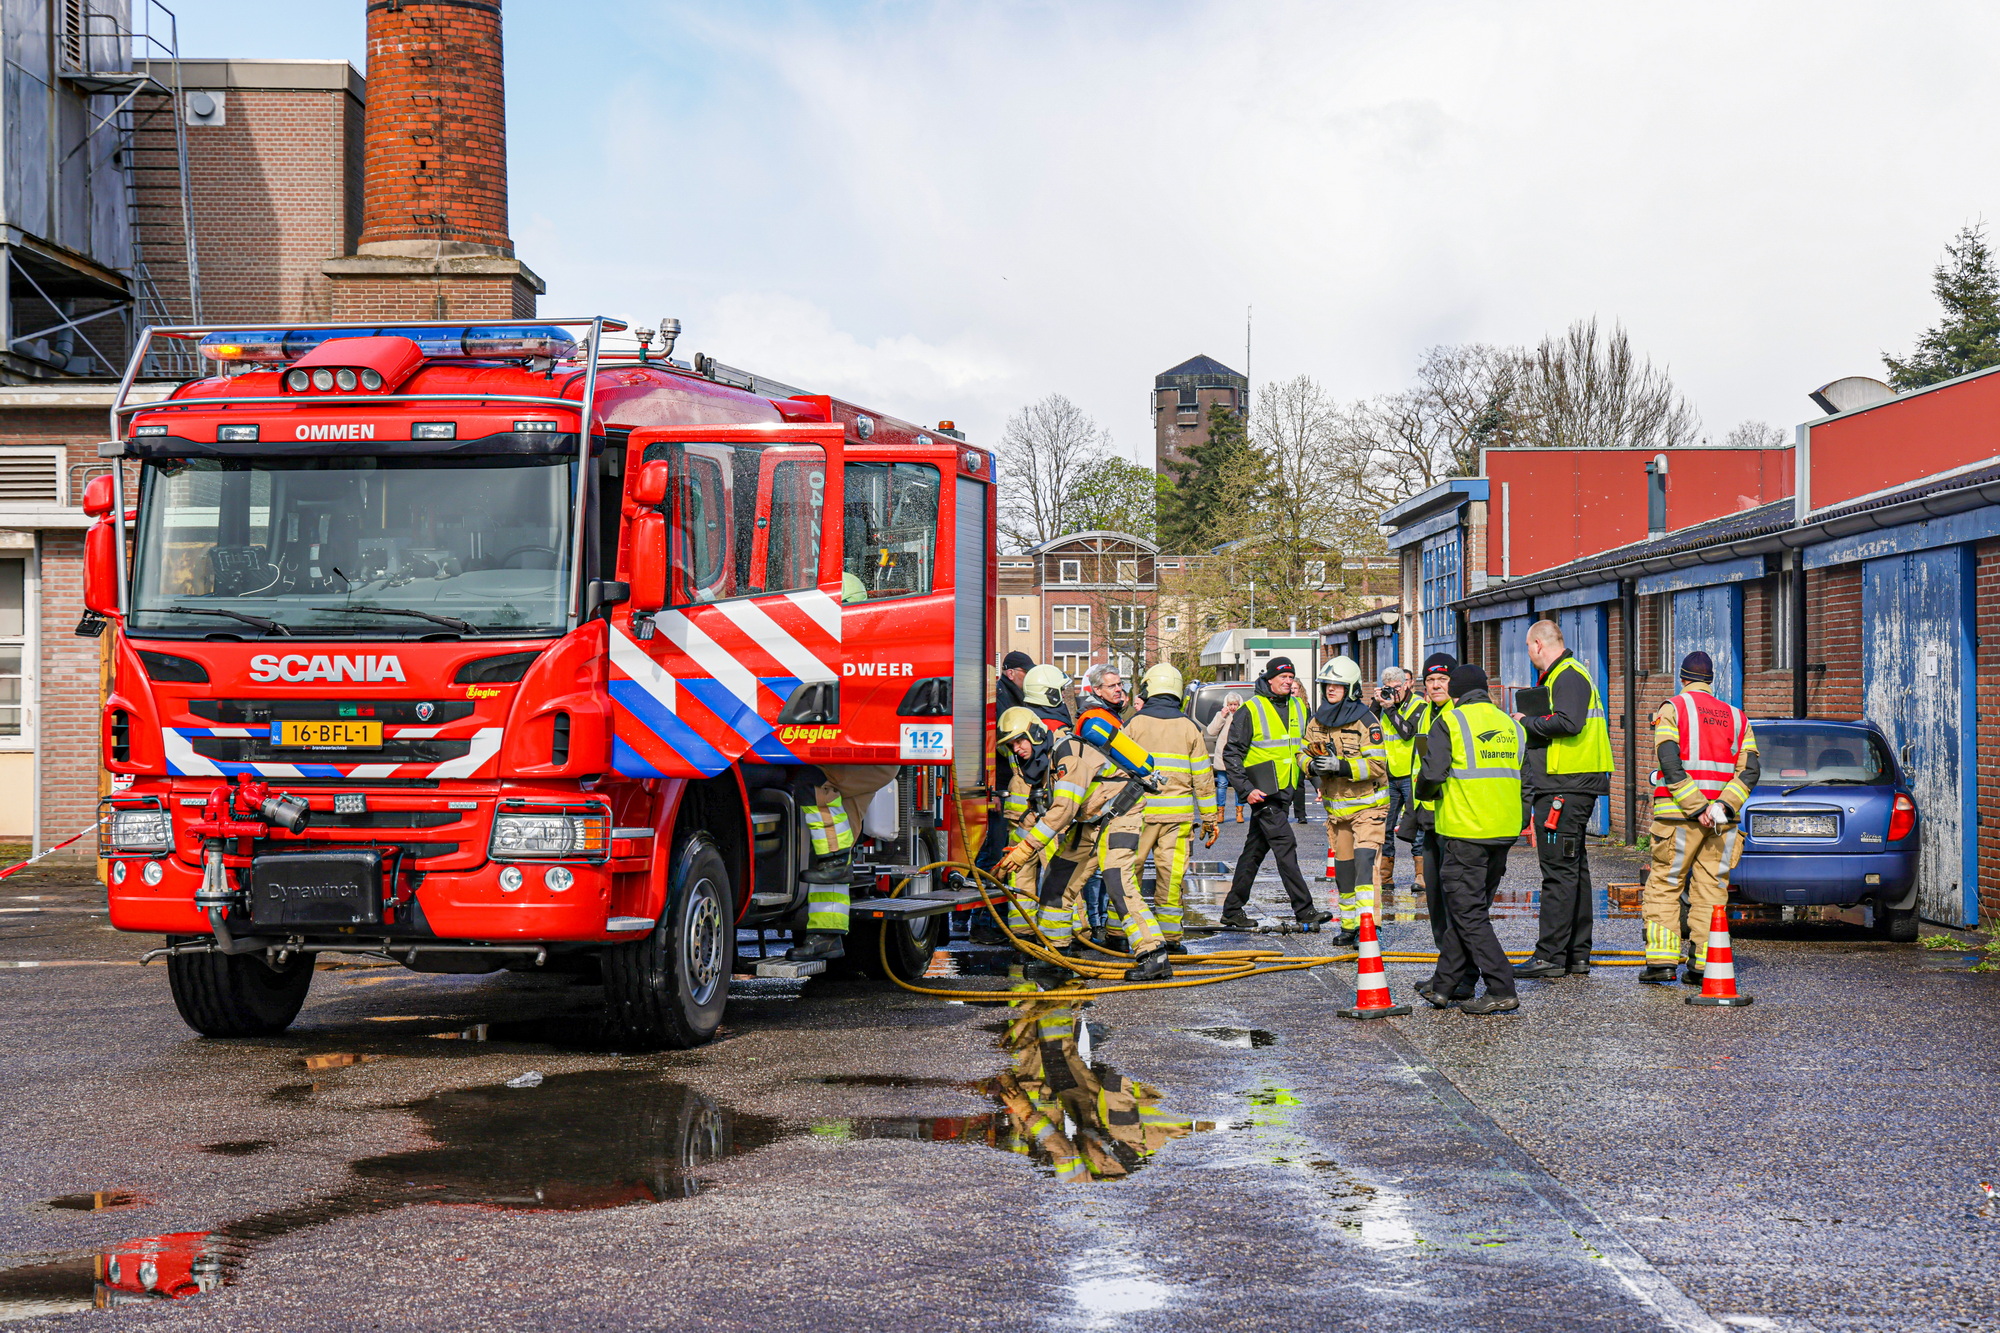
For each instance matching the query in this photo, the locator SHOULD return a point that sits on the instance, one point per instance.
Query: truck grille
(396, 712)
(258, 750)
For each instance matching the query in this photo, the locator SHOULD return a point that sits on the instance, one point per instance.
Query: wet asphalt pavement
(1608, 1158)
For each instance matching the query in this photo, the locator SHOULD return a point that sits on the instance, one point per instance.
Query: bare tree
(1580, 391)
(1754, 435)
(1045, 452)
(1466, 398)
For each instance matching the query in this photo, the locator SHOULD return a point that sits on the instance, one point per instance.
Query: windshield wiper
(264, 623)
(1831, 782)
(449, 622)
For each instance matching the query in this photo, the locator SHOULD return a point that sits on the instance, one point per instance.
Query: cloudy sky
(950, 209)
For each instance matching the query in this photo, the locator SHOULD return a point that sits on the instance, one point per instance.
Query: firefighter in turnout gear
(830, 800)
(1042, 690)
(1186, 796)
(1708, 766)
(1347, 759)
(1078, 802)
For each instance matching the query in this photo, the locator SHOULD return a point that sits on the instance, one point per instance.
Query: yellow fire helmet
(852, 589)
(1043, 685)
(1018, 722)
(1161, 678)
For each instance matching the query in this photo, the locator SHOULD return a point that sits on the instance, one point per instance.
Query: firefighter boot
(1150, 966)
(1663, 955)
(826, 909)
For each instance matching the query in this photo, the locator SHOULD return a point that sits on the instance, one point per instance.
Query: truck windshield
(1793, 756)
(339, 546)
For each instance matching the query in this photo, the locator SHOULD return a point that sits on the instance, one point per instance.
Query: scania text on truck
(480, 647)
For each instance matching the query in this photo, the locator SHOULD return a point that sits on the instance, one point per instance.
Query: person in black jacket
(1270, 823)
(1563, 713)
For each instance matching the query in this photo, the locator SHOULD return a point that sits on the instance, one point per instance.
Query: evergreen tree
(1210, 483)
(1968, 337)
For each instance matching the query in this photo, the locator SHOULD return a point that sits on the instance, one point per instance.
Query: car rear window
(1814, 754)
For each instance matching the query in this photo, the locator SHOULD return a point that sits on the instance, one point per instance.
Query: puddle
(101, 1201)
(238, 1147)
(1241, 1038)
(137, 1271)
(895, 1081)
(963, 961)
(291, 1093)
(477, 1032)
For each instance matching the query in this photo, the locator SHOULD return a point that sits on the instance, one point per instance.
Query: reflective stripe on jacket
(1276, 738)
(1482, 795)
(1181, 762)
(1589, 750)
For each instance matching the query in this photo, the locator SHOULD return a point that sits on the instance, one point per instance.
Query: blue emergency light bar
(486, 342)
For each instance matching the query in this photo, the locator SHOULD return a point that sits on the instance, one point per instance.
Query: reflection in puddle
(339, 1060)
(1241, 1038)
(895, 1081)
(99, 1201)
(237, 1147)
(1110, 1284)
(148, 1269)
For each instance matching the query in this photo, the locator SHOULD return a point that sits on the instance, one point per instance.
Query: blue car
(1831, 824)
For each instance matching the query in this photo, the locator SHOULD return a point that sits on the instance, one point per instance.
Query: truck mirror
(100, 565)
(649, 486)
(97, 496)
(647, 561)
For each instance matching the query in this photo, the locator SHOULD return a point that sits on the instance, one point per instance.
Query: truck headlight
(551, 837)
(142, 830)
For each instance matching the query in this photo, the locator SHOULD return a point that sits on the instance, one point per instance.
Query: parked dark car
(1831, 823)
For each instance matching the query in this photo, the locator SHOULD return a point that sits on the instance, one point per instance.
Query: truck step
(785, 969)
(906, 908)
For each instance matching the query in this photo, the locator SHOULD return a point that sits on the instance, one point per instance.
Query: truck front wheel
(237, 995)
(670, 988)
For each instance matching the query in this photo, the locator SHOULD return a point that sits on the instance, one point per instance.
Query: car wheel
(670, 988)
(1899, 927)
(237, 995)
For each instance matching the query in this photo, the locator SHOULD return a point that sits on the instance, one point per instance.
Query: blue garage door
(1587, 634)
(1710, 620)
(1916, 680)
(1516, 671)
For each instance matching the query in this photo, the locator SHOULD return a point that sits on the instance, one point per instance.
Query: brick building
(1181, 399)
(1873, 592)
(1098, 597)
(274, 154)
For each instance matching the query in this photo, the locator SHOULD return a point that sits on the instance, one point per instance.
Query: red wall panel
(1560, 505)
(1905, 439)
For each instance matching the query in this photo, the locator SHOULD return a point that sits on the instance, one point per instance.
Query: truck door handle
(930, 697)
(816, 701)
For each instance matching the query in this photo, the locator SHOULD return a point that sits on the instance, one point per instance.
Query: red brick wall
(1986, 657)
(428, 296)
(1833, 637)
(70, 716)
(276, 190)
(437, 125)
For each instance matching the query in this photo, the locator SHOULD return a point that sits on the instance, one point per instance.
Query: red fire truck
(474, 647)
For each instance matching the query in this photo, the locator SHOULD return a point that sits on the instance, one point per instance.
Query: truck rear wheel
(237, 995)
(670, 988)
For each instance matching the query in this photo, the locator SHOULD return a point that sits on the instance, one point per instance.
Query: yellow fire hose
(1207, 968)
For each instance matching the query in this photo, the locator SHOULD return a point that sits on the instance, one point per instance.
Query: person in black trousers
(1424, 846)
(1268, 792)
(1484, 799)
(1567, 772)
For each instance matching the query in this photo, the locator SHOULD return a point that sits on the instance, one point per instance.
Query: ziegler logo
(480, 692)
(807, 735)
(349, 431)
(297, 666)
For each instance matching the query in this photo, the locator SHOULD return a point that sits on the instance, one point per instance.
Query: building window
(1315, 573)
(1664, 619)
(1779, 599)
(1441, 587)
(1069, 571)
(1070, 619)
(1128, 571)
(1170, 622)
(1020, 624)
(1188, 401)
(1125, 620)
(13, 642)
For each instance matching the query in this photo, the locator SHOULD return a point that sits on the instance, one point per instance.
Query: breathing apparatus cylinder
(1099, 730)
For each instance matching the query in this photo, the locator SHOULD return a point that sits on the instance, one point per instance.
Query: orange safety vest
(1711, 739)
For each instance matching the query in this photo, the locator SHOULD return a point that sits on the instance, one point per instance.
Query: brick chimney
(434, 241)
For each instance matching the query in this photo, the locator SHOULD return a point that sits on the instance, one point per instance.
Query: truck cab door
(918, 555)
(729, 647)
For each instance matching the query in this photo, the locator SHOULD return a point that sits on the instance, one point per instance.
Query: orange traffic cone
(1718, 974)
(1372, 998)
